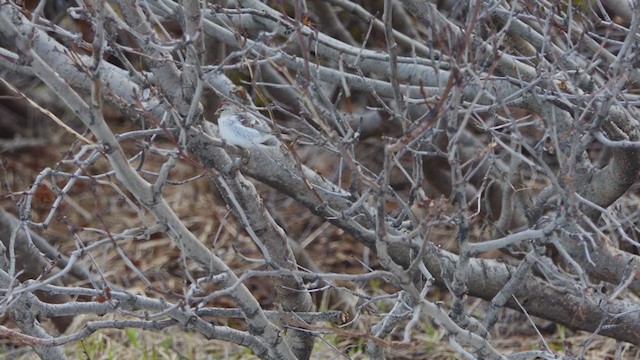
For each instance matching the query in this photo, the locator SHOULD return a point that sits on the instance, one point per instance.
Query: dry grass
(427, 344)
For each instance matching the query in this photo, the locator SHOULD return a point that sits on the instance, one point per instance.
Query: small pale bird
(242, 128)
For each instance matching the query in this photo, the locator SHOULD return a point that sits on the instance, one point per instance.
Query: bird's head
(222, 107)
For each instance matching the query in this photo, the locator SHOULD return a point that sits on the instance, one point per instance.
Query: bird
(241, 128)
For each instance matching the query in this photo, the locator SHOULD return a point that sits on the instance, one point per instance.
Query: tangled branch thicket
(474, 150)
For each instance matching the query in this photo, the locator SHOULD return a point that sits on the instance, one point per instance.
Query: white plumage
(242, 128)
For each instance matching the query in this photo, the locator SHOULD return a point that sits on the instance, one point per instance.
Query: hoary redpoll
(242, 128)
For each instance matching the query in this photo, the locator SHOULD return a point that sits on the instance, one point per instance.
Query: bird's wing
(251, 121)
